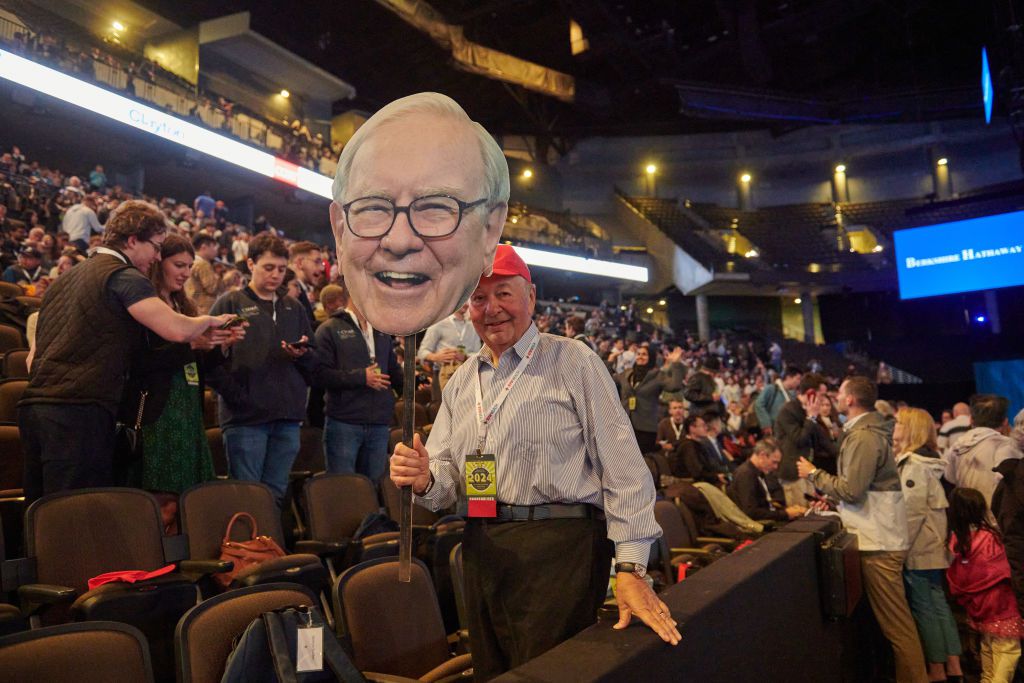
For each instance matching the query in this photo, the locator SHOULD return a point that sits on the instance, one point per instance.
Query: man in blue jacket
(263, 384)
(356, 364)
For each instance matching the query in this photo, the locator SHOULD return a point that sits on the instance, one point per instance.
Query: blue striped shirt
(561, 436)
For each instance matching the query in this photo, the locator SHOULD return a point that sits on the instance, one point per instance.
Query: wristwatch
(636, 569)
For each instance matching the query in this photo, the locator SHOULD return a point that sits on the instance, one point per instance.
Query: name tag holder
(481, 485)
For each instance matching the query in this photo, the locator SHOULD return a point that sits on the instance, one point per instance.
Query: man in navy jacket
(356, 364)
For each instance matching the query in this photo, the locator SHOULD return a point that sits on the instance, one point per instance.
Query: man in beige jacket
(204, 285)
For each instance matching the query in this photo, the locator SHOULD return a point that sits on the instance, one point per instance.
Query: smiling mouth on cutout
(398, 280)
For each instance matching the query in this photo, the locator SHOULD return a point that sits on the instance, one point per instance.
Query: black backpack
(266, 651)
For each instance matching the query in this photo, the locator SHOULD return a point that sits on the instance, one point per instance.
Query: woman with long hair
(640, 389)
(979, 579)
(166, 389)
(921, 469)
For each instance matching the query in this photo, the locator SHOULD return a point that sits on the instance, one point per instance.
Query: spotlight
(661, 302)
(841, 168)
(745, 178)
(751, 254)
(943, 161)
(117, 25)
(980, 319)
(651, 169)
(798, 300)
(285, 94)
(527, 173)
(878, 248)
(650, 310)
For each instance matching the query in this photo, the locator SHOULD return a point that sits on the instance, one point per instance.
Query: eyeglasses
(429, 217)
(156, 245)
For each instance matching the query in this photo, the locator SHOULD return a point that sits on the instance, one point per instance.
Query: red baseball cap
(508, 262)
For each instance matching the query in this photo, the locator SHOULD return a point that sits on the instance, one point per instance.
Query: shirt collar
(519, 347)
(852, 421)
(112, 252)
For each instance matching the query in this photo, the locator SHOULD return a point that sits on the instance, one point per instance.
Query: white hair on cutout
(495, 165)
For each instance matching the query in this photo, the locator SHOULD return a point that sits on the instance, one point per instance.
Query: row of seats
(73, 536)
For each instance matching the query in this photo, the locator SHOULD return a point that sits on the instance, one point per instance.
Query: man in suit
(797, 432)
(694, 458)
(307, 261)
(756, 489)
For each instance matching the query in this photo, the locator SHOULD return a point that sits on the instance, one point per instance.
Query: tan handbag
(257, 550)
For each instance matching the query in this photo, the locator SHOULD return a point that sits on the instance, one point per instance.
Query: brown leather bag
(257, 550)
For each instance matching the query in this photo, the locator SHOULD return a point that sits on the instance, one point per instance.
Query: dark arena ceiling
(653, 66)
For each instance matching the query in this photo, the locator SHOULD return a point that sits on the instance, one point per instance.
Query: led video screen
(961, 256)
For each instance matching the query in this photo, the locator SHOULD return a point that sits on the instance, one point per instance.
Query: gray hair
(495, 165)
(765, 447)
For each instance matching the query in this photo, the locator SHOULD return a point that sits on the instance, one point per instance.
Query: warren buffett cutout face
(413, 275)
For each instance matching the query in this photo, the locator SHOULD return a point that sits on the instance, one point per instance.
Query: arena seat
(73, 536)
(10, 290)
(336, 505)
(206, 509)
(204, 636)
(393, 627)
(14, 364)
(10, 393)
(421, 516)
(92, 652)
(11, 338)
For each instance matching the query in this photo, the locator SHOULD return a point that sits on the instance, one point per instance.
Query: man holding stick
(533, 444)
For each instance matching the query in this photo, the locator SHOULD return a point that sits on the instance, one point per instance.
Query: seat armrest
(692, 551)
(37, 596)
(451, 669)
(321, 548)
(373, 677)
(720, 540)
(205, 567)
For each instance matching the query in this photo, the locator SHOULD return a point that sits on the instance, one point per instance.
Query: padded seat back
(90, 652)
(76, 535)
(393, 503)
(207, 508)
(392, 627)
(10, 338)
(10, 393)
(14, 365)
(673, 528)
(204, 636)
(12, 458)
(336, 504)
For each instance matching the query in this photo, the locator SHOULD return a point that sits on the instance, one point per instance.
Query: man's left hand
(297, 349)
(635, 597)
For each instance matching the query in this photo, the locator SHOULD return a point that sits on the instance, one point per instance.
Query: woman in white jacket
(920, 471)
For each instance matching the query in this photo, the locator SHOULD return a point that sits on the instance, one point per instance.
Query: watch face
(640, 571)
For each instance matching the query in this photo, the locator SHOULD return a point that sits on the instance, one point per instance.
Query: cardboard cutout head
(420, 200)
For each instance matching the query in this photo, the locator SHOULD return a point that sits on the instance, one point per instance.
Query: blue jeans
(356, 448)
(263, 452)
(935, 623)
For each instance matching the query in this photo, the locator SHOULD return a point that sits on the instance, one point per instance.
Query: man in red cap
(532, 443)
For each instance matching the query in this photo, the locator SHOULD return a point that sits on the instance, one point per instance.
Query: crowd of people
(298, 144)
(182, 299)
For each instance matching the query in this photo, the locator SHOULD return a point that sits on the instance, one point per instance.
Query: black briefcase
(839, 575)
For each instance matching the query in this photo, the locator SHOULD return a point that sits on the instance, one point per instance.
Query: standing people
(67, 413)
(871, 506)
(920, 471)
(263, 384)
(307, 261)
(640, 390)
(568, 474)
(796, 430)
(165, 391)
(204, 285)
(972, 461)
(356, 364)
(979, 579)
(701, 388)
(771, 399)
(446, 345)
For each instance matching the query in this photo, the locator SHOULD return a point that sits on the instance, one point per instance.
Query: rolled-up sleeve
(628, 489)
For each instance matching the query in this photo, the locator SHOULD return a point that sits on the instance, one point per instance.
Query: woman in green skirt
(166, 389)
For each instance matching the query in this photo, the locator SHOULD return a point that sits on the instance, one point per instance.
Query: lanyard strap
(678, 431)
(484, 419)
